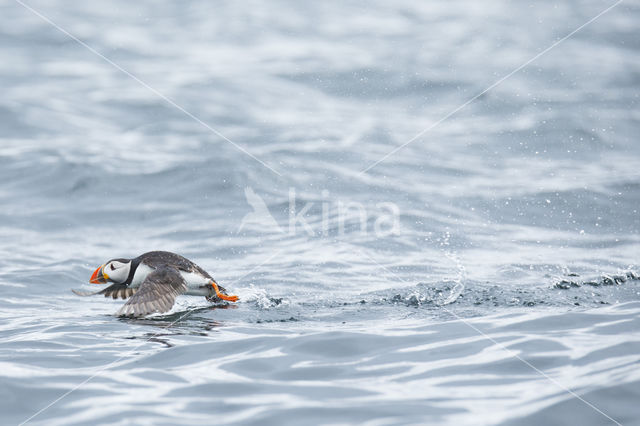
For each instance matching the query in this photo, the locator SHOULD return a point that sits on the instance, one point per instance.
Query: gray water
(507, 294)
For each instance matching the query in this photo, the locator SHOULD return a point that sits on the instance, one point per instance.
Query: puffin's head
(115, 271)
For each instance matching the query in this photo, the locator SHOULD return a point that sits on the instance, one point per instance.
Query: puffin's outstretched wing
(115, 290)
(163, 259)
(157, 293)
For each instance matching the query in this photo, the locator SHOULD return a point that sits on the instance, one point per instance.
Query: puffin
(152, 281)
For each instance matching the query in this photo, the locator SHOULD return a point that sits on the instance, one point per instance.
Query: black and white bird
(152, 281)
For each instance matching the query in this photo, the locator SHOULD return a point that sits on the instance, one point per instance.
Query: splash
(259, 298)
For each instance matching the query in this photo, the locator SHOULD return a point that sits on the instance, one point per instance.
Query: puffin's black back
(158, 259)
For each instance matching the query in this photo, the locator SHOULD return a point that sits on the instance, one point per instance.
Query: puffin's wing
(115, 290)
(157, 293)
(162, 259)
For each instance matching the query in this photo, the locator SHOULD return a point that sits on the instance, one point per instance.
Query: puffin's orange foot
(223, 296)
(229, 298)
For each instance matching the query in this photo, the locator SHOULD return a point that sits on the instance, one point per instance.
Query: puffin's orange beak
(98, 277)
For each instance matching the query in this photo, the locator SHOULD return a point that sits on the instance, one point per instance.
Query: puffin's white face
(116, 271)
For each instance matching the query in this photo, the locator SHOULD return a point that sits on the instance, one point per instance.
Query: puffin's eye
(112, 268)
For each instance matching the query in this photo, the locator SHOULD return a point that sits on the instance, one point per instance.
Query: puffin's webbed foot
(220, 295)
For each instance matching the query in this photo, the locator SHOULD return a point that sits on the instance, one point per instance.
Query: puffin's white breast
(194, 280)
(140, 275)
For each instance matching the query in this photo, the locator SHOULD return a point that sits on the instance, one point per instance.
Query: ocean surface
(485, 272)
